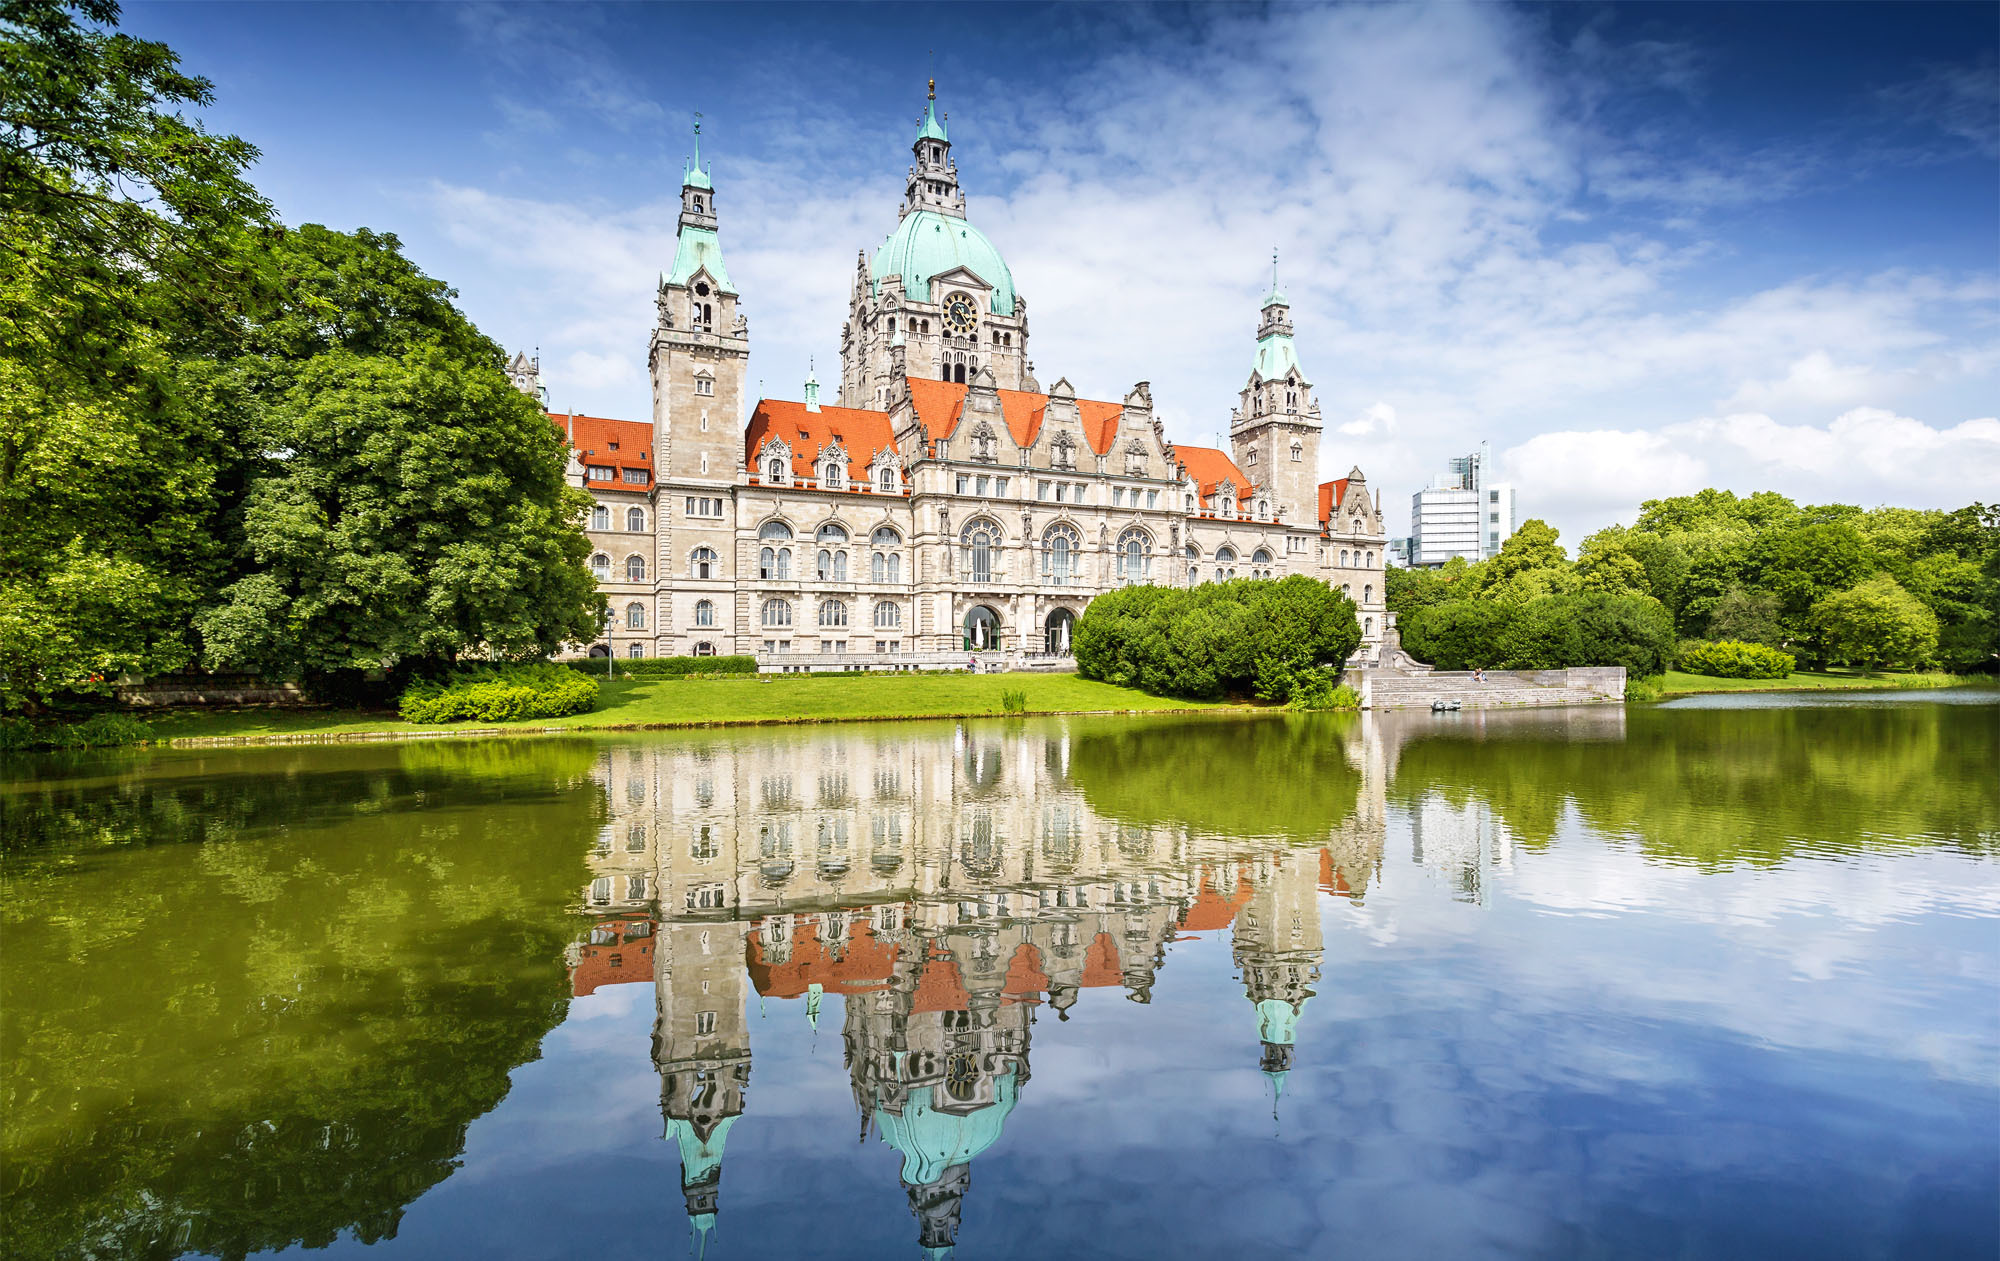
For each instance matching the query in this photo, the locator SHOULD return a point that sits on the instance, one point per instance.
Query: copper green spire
(933, 126)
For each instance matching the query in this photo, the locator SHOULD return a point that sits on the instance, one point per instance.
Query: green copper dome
(927, 244)
(932, 1141)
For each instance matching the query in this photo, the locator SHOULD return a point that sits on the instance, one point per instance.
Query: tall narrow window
(703, 565)
(704, 613)
(600, 567)
(600, 518)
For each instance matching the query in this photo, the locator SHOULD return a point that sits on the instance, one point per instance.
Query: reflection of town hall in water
(949, 500)
(951, 892)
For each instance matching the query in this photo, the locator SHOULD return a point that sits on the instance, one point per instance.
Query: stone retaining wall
(196, 690)
(1583, 685)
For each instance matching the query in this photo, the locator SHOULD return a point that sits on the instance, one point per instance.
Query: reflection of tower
(1278, 951)
(936, 1069)
(701, 1046)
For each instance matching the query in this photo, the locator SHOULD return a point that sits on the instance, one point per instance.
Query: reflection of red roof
(939, 404)
(618, 962)
(1026, 981)
(1331, 495)
(1210, 468)
(1211, 911)
(1331, 878)
(939, 987)
(614, 444)
(864, 964)
(1100, 963)
(861, 434)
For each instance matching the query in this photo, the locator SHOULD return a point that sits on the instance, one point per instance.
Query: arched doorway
(1057, 630)
(982, 629)
(600, 650)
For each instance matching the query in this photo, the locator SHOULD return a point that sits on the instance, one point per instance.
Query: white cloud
(1473, 248)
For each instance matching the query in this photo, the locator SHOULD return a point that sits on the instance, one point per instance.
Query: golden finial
(933, 89)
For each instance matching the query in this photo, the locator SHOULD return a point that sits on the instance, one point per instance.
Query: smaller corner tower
(933, 178)
(700, 349)
(1275, 429)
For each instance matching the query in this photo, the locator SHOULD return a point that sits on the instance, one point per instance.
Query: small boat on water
(1443, 706)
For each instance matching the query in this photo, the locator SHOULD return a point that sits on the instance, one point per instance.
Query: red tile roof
(864, 963)
(1210, 468)
(1100, 963)
(939, 403)
(1211, 911)
(593, 438)
(939, 987)
(861, 434)
(625, 959)
(1331, 495)
(1026, 981)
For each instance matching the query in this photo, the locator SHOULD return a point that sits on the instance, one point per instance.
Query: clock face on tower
(959, 314)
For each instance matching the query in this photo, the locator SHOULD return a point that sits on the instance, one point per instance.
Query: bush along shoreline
(499, 694)
(1246, 637)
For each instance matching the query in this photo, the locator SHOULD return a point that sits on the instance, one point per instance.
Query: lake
(1717, 978)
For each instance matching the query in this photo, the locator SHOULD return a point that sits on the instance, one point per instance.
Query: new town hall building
(948, 501)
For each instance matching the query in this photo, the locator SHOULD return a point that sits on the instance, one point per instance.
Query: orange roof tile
(939, 403)
(1211, 911)
(1210, 468)
(939, 987)
(1331, 878)
(619, 444)
(1100, 963)
(1026, 981)
(1331, 495)
(861, 433)
(619, 962)
(864, 964)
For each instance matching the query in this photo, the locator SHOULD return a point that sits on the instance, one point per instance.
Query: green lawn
(1680, 684)
(758, 698)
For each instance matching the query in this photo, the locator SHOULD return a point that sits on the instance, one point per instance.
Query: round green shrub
(1735, 659)
(500, 694)
(1217, 639)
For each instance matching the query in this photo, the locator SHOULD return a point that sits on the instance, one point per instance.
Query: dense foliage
(227, 442)
(1830, 584)
(1229, 638)
(665, 667)
(1734, 659)
(1544, 633)
(500, 695)
(326, 964)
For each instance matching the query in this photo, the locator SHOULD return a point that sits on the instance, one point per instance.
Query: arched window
(1263, 509)
(1368, 626)
(635, 520)
(976, 546)
(635, 616)
(886, 536)
(1060, 549)
(1368, 594)
(888, 615)
(600, 518)
(600, 567)
(774, 530)
(1370, 562)
(635, 568)
(774, 564)
(832, 613)
(704, 612)
(1346, 590)
(1225, 563)
(832, 565)
(885, 480)
(702, 562)
(1134, 565)
(704, 649)
(833, 478)
(831, 532)
(775, 472)
(777, 612)
(1343, 558)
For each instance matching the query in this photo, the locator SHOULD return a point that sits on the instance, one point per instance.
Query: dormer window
(704, 385)
(776, 472)
(1298, 451)
(832, 478)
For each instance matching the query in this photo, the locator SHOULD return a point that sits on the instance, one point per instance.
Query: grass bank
(704, 702)
(1677, 683)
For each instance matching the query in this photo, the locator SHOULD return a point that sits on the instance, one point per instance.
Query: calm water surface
(1701, 980)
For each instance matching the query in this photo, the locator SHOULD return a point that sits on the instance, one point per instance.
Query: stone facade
(947, 501)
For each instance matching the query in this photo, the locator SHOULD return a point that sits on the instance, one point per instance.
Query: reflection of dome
(932, 1140)
(927, 244)
(1277, 1022)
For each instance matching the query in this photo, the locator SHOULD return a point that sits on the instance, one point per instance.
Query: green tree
(1747, 616)
(1801, 565)
(1607, 563)
(1874, 624)
(1532, 547)
(411, 506)
(122, 228)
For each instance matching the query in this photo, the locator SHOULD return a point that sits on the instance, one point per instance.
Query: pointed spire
(932, 126)
(692, 174)
(1277, 296)
(812, 405)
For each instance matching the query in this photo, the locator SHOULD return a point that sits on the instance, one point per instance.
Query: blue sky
(1640, 249)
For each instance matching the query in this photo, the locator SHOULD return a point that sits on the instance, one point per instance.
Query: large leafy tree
(409, 505)
(1875, 623)
(123, 228)
(1801, 565)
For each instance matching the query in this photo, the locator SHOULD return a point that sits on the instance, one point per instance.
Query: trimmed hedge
(1218, 638)
(1547, 633)
(666, 667)
(96, 732)
(501, 694)
(1735, 659)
